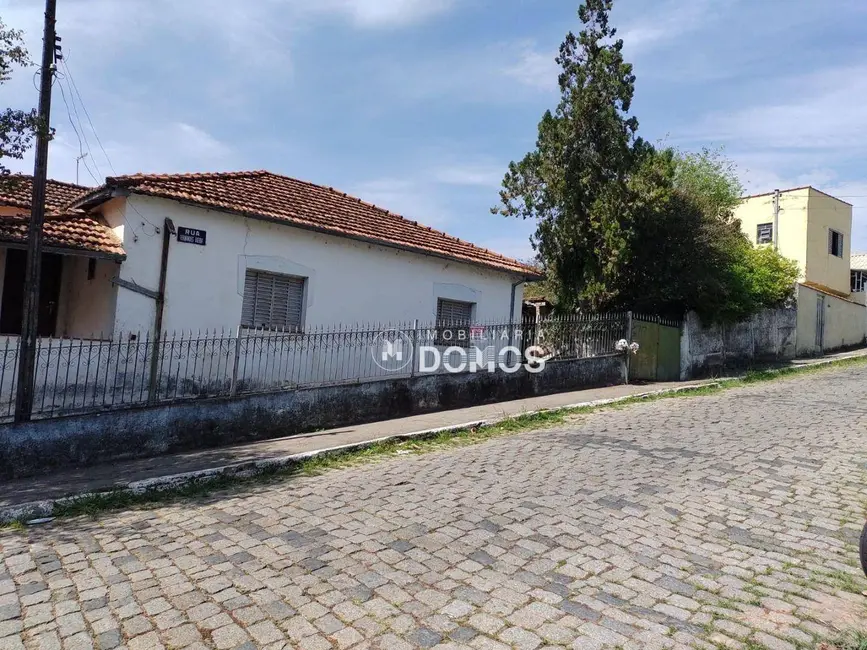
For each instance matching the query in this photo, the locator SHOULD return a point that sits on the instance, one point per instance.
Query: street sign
(192, 236)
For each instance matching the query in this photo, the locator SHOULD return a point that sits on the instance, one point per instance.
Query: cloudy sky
(419, 105)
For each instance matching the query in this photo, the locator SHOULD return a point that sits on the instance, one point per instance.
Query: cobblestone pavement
(718, 521)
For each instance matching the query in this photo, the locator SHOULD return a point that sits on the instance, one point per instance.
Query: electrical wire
(74, 87)
(77, 134)
(87, 114)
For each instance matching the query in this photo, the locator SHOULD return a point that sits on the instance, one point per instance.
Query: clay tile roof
(72, 230)
(16, 190)
(264, 195)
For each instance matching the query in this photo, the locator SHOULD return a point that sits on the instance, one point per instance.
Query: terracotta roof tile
(261, 194)
(70, 229)
(16, 190)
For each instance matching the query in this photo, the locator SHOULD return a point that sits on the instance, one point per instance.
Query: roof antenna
(77, 162)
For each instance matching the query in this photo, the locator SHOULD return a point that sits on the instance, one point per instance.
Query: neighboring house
(260, 250)
(814, 229)
(81, 255)
(858, 272)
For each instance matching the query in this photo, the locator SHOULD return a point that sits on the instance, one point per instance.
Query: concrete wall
(704, 349)
(87, 306)
(48, 445)
(845, 322)
(346, 281)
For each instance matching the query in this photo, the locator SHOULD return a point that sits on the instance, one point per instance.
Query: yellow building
(812, 228)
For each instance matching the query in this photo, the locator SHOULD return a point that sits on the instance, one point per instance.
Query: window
(765, 233)
(859, 281)
(835, 243)
(453, 322)
(272, 301)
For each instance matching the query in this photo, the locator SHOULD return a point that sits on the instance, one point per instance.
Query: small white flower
(633, 347)
(621, 345)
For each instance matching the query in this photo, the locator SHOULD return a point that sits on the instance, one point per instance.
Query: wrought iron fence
(86, 375)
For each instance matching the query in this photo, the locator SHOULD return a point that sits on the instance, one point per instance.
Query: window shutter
(454, 312)
(272, 301)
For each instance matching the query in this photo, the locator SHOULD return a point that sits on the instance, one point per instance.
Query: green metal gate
(658, 357)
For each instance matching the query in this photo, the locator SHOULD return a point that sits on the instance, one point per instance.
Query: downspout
(168, 231)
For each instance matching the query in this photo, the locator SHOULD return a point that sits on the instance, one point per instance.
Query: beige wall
(792, 236)
(87, 306)
(845, 322)
(806, 215)
(825, 213)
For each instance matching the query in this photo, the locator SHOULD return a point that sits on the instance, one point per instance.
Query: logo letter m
(392, 350)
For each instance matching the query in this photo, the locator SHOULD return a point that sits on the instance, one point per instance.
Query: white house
(250, 249)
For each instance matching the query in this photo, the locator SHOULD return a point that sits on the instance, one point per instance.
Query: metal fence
(86, 375)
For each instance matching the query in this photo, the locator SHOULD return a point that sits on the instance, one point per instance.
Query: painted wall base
(44, 446)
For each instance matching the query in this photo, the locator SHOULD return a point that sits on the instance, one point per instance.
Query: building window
(835, 243)
(272, 301)
(859, 281)
(453, 322)
(765, 233)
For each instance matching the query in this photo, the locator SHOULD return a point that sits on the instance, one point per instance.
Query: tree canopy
(17, 127)
(622, 224)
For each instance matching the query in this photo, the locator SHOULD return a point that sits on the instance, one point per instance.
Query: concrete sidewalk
(123, 474)
(138, 474)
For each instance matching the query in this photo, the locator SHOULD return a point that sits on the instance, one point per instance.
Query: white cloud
(407, 197)
(383, 13)
(469, 175)
(535, 69)
(821, 110)
(665, 23)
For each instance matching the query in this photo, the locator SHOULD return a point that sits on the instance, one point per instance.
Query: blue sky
(419, 105)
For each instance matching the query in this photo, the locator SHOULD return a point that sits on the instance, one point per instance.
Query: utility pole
(32, 274)
(776, 220)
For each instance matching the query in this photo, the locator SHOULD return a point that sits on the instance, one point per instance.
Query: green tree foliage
(622, 224)
(17, 127)
(569, 184)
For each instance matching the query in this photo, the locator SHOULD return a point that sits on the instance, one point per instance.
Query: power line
(80, 125)
(87, 114)
(77, 134)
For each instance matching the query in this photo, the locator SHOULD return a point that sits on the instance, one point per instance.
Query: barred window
(272, 301)
(453, 322)
(765, 233)
(835, 243)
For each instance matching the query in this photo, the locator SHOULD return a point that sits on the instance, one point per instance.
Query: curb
(45, 508)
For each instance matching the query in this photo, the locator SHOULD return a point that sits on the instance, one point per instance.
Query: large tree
(571, 184)
(620, 223)
(17, 127)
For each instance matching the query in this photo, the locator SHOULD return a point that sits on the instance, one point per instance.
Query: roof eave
(516, 272)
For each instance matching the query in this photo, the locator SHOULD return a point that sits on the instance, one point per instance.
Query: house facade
(262, 251)
(813, 228)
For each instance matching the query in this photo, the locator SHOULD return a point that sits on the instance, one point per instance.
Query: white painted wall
(348, 282)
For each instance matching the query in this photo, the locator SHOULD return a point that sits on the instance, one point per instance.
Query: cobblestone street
(702, 522)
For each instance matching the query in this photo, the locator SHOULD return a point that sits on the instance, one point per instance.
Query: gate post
(628, 340)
